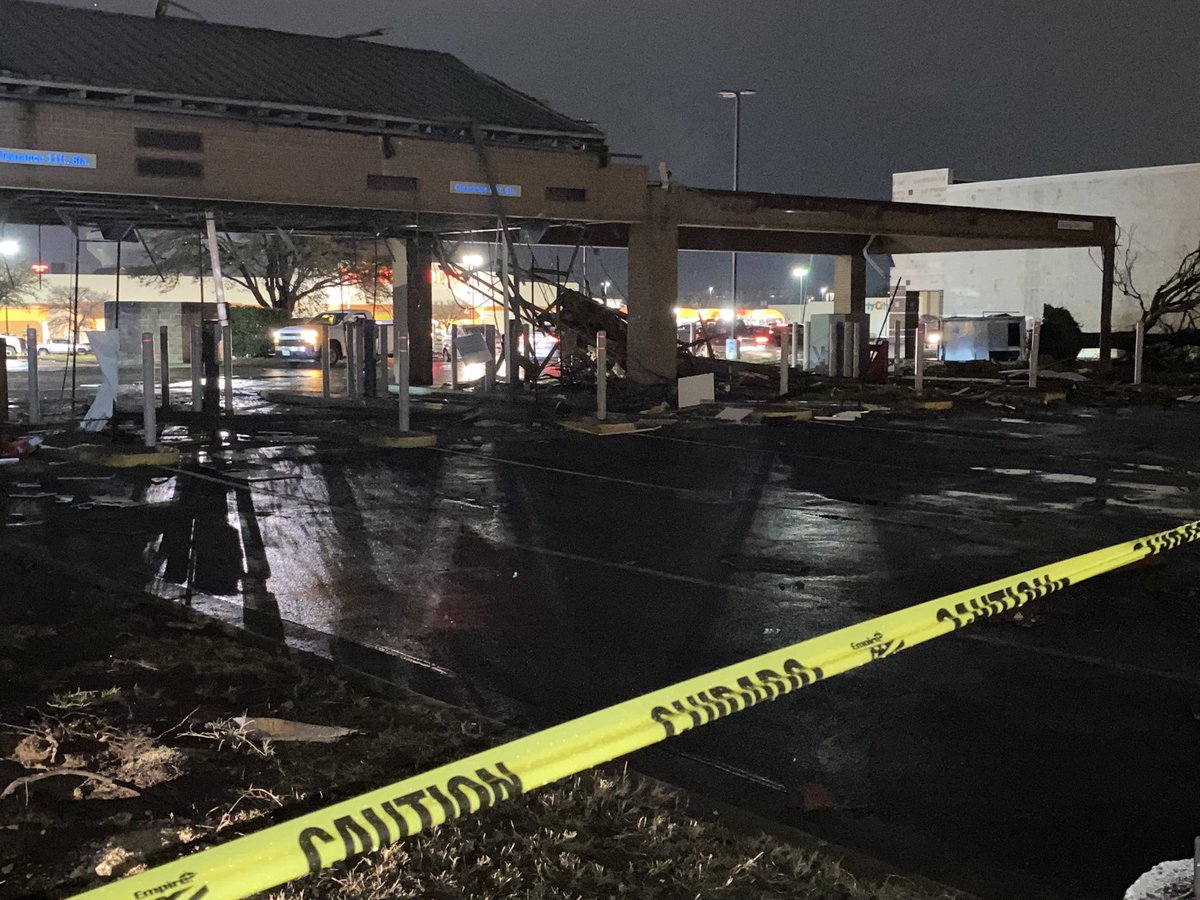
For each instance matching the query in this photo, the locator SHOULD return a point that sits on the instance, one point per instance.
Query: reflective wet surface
(545, 575)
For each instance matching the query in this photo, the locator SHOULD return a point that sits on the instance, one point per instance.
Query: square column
(652, 355)
(850, 300)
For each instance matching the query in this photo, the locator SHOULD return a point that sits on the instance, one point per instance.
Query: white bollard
(601, 375)
(919, 360)
(197, 368)
(454, 357)
(785, 354)
(1139, 351)
(1035, 349)
(794, 342)
(149, 420)
(806, 344)
(35, 391)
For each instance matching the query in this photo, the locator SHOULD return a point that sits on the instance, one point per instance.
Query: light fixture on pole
(9, 247)
(736, 96)
(472, 261)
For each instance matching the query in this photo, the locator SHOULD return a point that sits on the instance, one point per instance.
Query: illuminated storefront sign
(59, 159)
(480, 187)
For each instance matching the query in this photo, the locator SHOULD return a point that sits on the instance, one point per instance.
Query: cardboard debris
(265, 728)
(697, 389)
(733, 414)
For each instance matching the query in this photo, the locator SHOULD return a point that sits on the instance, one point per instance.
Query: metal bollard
(197, 341)
(785, 353)
(1139, 351)
(227, 348)
(454, 357)
(35, 391)
(514, 354)
(164, 366)
(897, 353)
(919, 359)
(370, 365)
(402, 376)
(794, 342)
(149, 420)
(806, 346)
(1035, 348)
(601, 375)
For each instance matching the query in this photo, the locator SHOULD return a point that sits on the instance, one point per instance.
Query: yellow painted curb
(796, 415)
(410, 441)
(591, 426)
(934, 405)
(102, 456)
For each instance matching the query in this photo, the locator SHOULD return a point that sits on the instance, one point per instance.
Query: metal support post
(35, 391)
(4, 385)
(489, 374)
(527, 344)
(601, 375)
(514, 354)
(454, 357)
(164, 366)
(325, 361)
(1139, 351)
(382, 378)
(360, 352)
(197, 343)
(794, 342)
(919, 359)
(785, 354)
(149, 421)
(1035, 349)
(897, 353)
(855, 350)
(848, 360)
(351, 340)
(370, 367)
(806, 347)
(227, 352)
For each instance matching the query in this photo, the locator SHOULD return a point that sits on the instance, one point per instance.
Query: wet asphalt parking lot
(547, 574)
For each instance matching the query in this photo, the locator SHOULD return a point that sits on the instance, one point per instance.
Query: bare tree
(1175, 305)
(15, 285)
(68, 318)
(278, 268)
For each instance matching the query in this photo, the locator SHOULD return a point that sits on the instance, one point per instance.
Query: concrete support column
(653, 292)
(400, 284)
(420, 308)
(912, 317)
(850, 298)
(850, 285)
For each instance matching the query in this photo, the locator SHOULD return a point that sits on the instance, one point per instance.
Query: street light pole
(736, 96)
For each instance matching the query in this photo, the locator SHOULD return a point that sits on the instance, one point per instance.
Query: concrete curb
(600, 429)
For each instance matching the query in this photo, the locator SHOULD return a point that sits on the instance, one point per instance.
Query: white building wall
(1158, 209)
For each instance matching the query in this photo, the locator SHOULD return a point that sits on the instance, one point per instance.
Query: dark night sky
(850, 90)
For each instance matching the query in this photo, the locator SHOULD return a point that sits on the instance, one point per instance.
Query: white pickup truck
(300, 341)
(13, 346)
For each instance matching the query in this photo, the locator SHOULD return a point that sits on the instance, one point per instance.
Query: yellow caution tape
(320, 839)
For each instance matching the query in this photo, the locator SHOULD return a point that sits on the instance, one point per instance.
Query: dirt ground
(118, 748)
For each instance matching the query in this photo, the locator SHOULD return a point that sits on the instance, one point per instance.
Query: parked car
(299, 341)
(62, 345)
(13, 346)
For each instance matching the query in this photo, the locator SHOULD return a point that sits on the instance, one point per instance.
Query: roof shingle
(44, 42)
